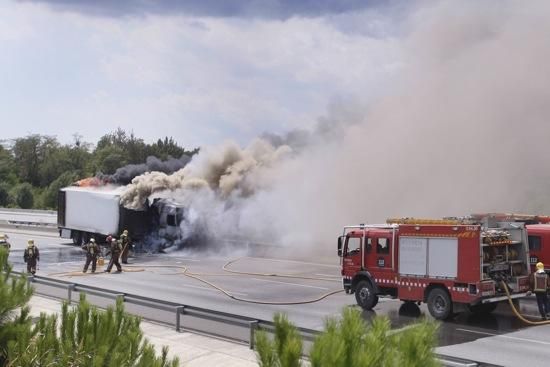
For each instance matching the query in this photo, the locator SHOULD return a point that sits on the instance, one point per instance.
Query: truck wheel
(439, 304)
(364, 294)
(85, 238)
(76, 236)
(483, 307)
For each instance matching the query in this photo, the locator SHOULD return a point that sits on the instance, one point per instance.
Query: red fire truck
(452, 265)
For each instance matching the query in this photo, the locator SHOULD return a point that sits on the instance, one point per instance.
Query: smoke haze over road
(464, 129)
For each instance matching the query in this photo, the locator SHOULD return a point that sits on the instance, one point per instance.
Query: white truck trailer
(85, 212)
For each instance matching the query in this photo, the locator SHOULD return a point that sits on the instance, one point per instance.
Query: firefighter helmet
(540, 266)
(125, 232)
(2, 237)
(92, 240)
(30, 242)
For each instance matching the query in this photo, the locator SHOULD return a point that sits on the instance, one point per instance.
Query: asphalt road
(499, 338)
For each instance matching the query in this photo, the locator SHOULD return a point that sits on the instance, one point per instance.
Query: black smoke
(126, 174)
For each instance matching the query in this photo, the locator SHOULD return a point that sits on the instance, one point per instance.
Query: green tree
(84, 337)
(15, 293)
(4, 194)
(108, 159)
(7, 166)
(29, 154)
(49, 199)
(350, 342)
(167, 147)
(24, 197)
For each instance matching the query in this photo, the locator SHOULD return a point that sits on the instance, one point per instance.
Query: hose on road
(517, 313)
(227, 272)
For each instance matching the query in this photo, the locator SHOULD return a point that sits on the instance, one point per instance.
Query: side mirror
(340, 246)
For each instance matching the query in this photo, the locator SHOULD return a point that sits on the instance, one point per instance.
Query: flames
(90, 182)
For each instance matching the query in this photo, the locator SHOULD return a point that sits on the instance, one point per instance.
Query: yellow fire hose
(516, 312)
(227, 272)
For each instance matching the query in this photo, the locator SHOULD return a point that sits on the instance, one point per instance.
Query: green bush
(350, 342)
(82, 337)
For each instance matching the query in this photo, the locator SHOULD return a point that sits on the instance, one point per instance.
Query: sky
(368, 109)
(200, 71)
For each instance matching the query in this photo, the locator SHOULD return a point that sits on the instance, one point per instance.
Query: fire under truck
(453, 265)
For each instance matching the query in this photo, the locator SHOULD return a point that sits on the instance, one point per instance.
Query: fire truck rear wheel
(439, 304)
(364, 295)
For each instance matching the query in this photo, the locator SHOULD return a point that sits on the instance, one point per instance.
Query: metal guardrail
(37, 211)
(178, 311)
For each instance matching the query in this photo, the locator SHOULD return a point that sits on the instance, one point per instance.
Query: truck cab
(364, 251)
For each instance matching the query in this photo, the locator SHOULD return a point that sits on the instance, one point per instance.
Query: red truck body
(453, 266)
(539, 245)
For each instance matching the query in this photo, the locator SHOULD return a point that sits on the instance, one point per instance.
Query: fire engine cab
(453, 265)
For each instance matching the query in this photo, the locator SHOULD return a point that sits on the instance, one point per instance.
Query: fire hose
(516, 312)
(199, 277)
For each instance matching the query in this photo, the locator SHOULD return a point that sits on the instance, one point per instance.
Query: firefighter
(126, 244)
(538, 283)
(115, 251)
(31, 257)
(4, 242)
(92, 253)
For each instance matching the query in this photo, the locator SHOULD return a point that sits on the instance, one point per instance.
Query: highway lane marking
(297, 285)
(186, 259)
(292, 261)
(505, 336)
(329, 275)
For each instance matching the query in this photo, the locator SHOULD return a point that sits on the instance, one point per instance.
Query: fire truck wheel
(439, 304)
(483, 308)
(364, 294)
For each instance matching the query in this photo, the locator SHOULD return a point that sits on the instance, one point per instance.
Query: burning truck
(89, 211)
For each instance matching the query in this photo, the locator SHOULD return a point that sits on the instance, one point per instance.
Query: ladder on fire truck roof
(374, 226)
(473, 219)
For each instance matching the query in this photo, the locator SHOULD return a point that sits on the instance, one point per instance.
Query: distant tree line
(33, 168)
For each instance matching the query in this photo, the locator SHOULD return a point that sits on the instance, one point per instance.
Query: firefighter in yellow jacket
(539, 284)
(92, 253)
(115, 251)
(31, 257)
(126, 244)
(4, 242)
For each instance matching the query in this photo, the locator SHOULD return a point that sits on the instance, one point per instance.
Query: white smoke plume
(229, 171)
(463, 128)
